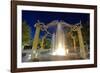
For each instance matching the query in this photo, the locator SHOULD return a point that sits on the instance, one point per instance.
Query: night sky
(31, 18)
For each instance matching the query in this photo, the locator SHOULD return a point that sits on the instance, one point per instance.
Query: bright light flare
(60, 50)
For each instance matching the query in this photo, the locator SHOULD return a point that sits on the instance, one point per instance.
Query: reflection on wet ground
(47, 56)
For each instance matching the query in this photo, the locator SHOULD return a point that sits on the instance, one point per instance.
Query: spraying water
(58, 41)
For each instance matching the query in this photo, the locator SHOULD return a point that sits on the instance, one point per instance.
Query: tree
(47, 43)
(86, 33)
(25, 33)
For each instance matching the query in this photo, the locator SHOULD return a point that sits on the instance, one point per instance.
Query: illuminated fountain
(58, 41)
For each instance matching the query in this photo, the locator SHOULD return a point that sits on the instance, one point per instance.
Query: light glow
(59, 41)
(60, 51)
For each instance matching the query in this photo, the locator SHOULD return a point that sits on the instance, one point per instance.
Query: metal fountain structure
(58, 38)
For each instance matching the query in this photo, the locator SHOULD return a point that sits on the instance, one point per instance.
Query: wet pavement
(47, 56)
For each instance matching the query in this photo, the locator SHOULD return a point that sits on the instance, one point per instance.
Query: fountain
(58, 41)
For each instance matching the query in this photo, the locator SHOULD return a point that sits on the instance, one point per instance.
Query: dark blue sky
(31, 18)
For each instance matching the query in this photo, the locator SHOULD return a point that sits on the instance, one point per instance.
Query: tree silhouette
(25, 33)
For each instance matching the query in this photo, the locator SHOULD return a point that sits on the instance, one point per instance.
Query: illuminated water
(58, 41)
